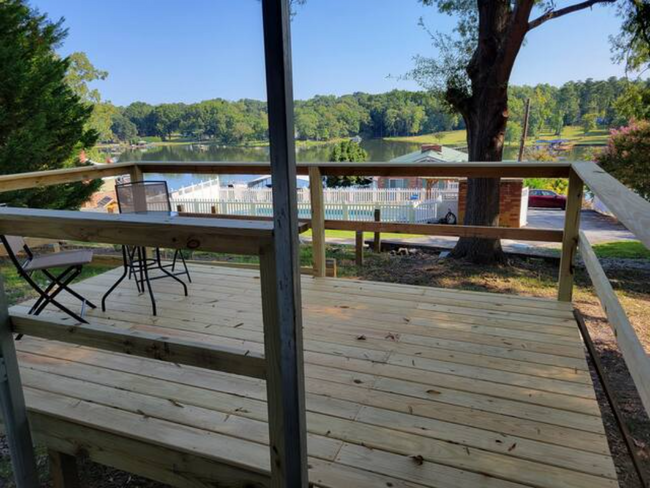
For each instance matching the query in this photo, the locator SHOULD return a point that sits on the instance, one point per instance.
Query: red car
(546, 198)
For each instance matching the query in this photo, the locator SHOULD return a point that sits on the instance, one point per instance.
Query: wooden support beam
(523, 234)
(12, 404)
(317, 221)
(359, 248)
(377, 241)
(173, 232)
(570, 241)
(144, 344)
(633, 352)
(63, 470)
(136, 173)
(279, 265)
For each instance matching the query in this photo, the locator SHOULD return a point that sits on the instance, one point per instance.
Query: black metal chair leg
(66, 310)
(44, 294)
(162, 268)
(119, 280)
(144, 272)
(131, 258)
(68, 289)
(76, 272)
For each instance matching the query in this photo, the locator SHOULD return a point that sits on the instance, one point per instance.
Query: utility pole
(524, 132)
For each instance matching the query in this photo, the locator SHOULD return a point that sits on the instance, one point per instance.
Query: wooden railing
(634, 212)
(252, 236)
(176, 232)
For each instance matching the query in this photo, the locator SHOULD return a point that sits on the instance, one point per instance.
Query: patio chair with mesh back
(148, 197)
(71, 262)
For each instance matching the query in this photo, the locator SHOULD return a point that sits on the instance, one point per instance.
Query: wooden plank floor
(406, 387)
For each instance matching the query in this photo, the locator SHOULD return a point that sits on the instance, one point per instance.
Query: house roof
(429, 154)
(261, 179)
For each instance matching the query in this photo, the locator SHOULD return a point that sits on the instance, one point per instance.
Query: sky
(160, 51)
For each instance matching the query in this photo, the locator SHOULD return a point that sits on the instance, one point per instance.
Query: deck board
(405, 386)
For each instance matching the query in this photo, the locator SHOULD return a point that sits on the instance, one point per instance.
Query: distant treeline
(589, 103)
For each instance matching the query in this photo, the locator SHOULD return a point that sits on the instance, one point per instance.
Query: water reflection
(378, 150)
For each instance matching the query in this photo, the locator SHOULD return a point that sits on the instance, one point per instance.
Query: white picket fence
(408, 211)
(212, 191)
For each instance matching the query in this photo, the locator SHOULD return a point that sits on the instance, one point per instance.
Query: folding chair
(71, 261)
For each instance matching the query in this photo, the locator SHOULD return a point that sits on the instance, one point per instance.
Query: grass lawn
(348, 234)
(18, 290)
(447, 138)
(574, 134)
(622, 250)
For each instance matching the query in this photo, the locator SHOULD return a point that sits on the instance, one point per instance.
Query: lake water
(378, 150)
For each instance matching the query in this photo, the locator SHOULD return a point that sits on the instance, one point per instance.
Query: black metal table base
(136, 264)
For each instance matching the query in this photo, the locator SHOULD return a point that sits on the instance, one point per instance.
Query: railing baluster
(571, 233)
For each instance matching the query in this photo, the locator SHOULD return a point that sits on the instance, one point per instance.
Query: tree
(140, 114)
(514, 133)
(589, 122)
(352, 152)
(633, 103)
(632, 45)
(123, 128)
(626, 157)
(472, 74)
(80, 74)
(42, 121)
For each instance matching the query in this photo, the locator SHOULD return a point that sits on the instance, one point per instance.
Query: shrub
(626, 156)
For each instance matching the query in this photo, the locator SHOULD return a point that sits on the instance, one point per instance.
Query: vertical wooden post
(63, 470)
(570, 240)
(331, 270)
(136, 174)
(377, 242)
(12, 402)
(280, 271)
(317, 220)
(359, 248)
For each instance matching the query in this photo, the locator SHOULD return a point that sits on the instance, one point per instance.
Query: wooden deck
(406, 387)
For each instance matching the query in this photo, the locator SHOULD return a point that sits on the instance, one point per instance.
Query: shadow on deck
(406, 386)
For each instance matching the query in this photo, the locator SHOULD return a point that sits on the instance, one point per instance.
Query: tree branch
(554, 14)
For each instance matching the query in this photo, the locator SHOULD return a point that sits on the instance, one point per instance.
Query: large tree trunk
(486, 125)
(501, 32)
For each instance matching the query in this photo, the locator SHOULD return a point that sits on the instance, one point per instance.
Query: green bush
(626, 156)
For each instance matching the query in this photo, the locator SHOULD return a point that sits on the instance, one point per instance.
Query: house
(428, 153)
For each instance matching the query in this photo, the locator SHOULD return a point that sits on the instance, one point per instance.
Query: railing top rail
(34, 179)
(23, 181)
(458, 170)
(631, 209)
